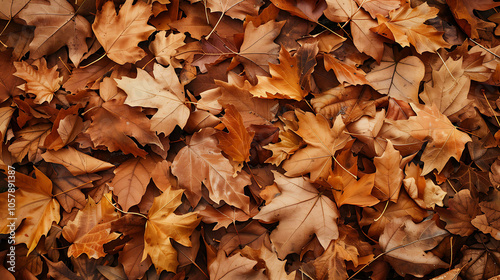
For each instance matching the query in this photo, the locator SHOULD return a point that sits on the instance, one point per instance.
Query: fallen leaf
(91, 229)
(299, 202)
(462, 209)
(389, 175)
(489, 222)
(162, 226)
(119, 34)
(79, 164)
(405, 244)
(42, 81)
(35, 210)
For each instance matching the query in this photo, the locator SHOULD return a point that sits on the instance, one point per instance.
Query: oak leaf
(398, 78)
(200, 162)
(36, 208)
(119, 34)
(75, 161)
(405, 244)
(322, 142)
(163, 226)
(301, 211)
(91, 228)
(406, 26)
(163, 92)
(42, 81)
(63, 28)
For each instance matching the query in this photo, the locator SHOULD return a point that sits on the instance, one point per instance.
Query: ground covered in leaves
(248, 139)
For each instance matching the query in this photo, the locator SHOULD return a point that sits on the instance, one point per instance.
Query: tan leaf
(301, 211)
(382, 7)
(42, 82)
(399, 79)
(162, 226)
(91, 229)
(235, 8)
(75, 161)
(406, 26)
(234, 267)
(322, 143)
(289, 144)
(119, 34)
(35, 210)
(165, 47)
(448, 93)
(275, 268)
(340, 10)
(406, 245)
(363, 38)
(445, 140)
(258, 48)
(462, 209)
(10, 8)
(159, 93)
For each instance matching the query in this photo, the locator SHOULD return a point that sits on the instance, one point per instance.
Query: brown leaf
(235, 8)
(311, 10)
(165, 47)
(302, 211)
(91, 228)
(35, 210)
(490, 221)
(406, 243)
(42, 81)
(234, 267)
(346, 73)
(389, 175)
(237, 142)
(322, 143)
(63, 28)
(76, 162)
(462, 209)
(29, 140)
(200, 162)
(119, 34)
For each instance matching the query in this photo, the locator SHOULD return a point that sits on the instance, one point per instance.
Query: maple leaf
(238, 141)
(63, 28)
(163, 226)
(35, 207)
(119, 34)
(445, 140)
(258, 48)
(42, 82)
(75, 161)
(131, 179)
(462, 209)
(284, 81)
(406, 243)
(29, 141)
(120, 122)
(163, 92)
(398, 78)
(479, 261)
(234, 267)
(345, 72)
(332, 263)
(275, 269)
(200, 162)
(406, 26)
(91, 228)
(311, 10)
(165, 47)
(382, 7)
(489, 222)
(235, 8)
(448, 91)
(322, 143)
(301, 211)
(289, 144)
